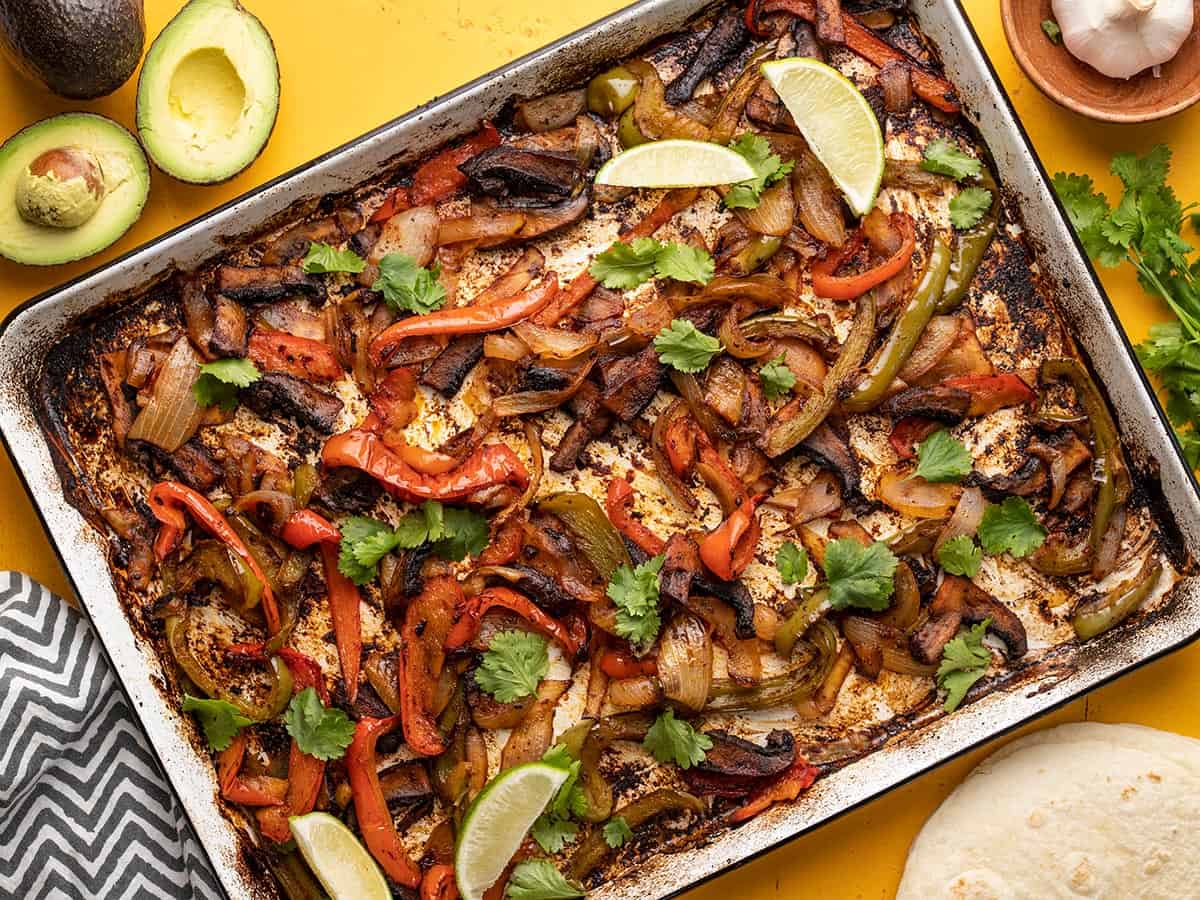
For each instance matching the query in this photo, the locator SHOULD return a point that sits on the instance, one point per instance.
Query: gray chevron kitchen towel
(84, 810)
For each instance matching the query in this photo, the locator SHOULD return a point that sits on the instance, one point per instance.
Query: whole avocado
(79, 49)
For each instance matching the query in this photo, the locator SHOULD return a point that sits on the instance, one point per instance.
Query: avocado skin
(79, 49)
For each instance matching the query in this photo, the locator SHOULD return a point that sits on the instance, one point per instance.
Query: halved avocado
(208, 94)
(69, 186)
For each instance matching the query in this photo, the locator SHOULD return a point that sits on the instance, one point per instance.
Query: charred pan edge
(1075, 670)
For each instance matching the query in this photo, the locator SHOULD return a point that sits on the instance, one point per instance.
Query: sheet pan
(1066, 674)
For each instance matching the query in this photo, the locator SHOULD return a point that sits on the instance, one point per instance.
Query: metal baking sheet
(1059, 677)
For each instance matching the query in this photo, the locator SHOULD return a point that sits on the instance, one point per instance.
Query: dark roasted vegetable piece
(293, 243)
(264, 283)
(945, 404)
(191, 463)
(450, 369)
(630, 383)
(959, 601)
(733, 766)
(719, 47)
(229, 331)
(282, 395)
(539, 587)
(593, 850)
(1097, 615)
(347, 490)
(405, 785)
(830, 450)
(507, 171)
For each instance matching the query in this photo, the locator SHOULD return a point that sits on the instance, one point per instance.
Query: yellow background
(350, 65)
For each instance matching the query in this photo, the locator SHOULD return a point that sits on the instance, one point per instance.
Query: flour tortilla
(1082, 810)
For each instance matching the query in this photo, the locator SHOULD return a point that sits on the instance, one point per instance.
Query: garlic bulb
(1120, 38)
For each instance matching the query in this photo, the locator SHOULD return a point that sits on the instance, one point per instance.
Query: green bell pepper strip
(970, 250)
(1098, 614)
(596, 536)
(591, 852)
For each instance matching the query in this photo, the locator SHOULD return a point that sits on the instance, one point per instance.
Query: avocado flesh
(79, 49)
(126, 181)
(208, 94)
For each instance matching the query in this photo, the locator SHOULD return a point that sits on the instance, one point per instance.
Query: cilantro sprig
(944, 157)
(859, 576)
(513, 666)
(220, 381)
(617, 832)
(624, 267)
(454, 533)
(320, 731)
(322, 258)
(683, 346)
(670, 740)
(1145, 229)
(941, 458)
(408, 287)
(777, 378)
(768, 169)
(1011, 528)
(537, 879)
(635, 593)
(792, 563)
(220, 721)
(964, 661)
(968, 207)
(554, 828)
(960, 556)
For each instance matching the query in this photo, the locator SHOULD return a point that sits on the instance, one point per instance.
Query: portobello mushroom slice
(264, 283)
(506, 171)
(829, 450)
(450, 369)
(734, 767)
(959, 601)
(276, 395)
(722, 43)
(293, 244)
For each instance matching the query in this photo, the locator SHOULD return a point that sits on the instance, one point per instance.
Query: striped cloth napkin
(84, 810)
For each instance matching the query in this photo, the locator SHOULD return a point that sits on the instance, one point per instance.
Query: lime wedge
(342, 865)
(675, 164)
(497, 821)
(837, 122)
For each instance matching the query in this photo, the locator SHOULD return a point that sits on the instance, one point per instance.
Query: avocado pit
(62, 188)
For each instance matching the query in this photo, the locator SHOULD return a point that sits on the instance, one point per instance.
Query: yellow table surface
(351, 65)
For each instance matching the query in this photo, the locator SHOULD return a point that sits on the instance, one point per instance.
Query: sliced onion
(488, 226)
(825, 697)
(745, 656)
(820, 498)
(639, 692)
(967, 516)
(788, 324)
(896, 80)
(818, 201)
(765, 290)
(672, 485)
(892, 644)
(295, 317)
(280, 505)
(1110, 545)
(505, 345)
(528, 402)
(518, 277)
(380, 670)
(905, 610)
(965, 357)
(804, 361)
(936, 341)
(693, 396)
(171, 414)
(554, 342)
(737, 344)
(413, 232)
(775, 213)
(685, 662)
(898, 173)
(531, 739)
(917, 497)
(725, 389)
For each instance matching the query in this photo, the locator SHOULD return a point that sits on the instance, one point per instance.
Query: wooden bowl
(1079, 87)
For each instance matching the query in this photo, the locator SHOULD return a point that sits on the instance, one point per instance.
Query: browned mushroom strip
(260, 285)
(276, 395)
(959, 601)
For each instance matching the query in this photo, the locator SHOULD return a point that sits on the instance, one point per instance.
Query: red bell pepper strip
(826, 283)
(992, 392)
(252, 790)
(439, 884)
(720, 478)
(397, 202)
(300, 357)
(583, 284)
(370, 807)
(306, 673)
(440, 177)
(490, 465)
(505, 547)
(472, 610)
(623, 664)
(394, 399)
(929, 87)
(787, 787)
(616, 504)
(730, 547)
(482, 317)
(168, 499)
(909, 432)
(680, 443)
(303, 529)
(427, 622)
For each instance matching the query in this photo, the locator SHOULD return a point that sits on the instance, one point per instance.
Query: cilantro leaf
(941, 458)
(684, 347)
(617, 832)
(683, 262)
(455, 534)
(792, 563)
(513, 666)
(322, 258)
(964, 661)
(635, 592)
(1146, 173)
(968, 207)
(358, 533)
(552, 834)
(220, 720)
(219, 382)
(623, 266)
(1053, 32)
(559, 757)
(1088, 211)
(670, 740)
(944, 157)
(465, 533)
(1164, 347)
(570, 799)
(537, 879)
(1012, 528)
(319, 731)
(768, 169)
(777, 378)
(859, 576)
(407, 287)
(960, 556)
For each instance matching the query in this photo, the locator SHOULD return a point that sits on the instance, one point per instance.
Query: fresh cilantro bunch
(220, 381)
(513, 666)
(1145, 229)
(964, 661)
(624, 267)
(768, 169)
(322, 259)
(670, 740)
(408, 287)
(684, 347)
(635, 593)
(454, 533)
